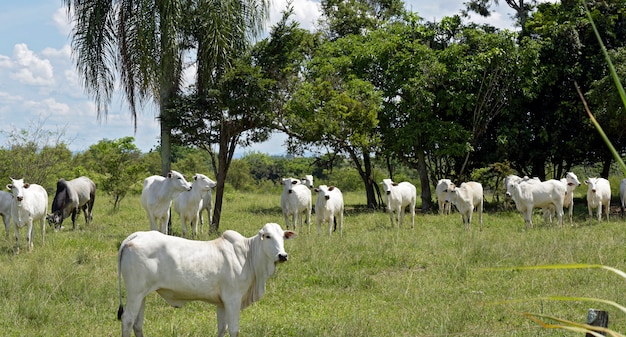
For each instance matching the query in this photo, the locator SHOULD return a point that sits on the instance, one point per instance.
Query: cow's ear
(316, 190)
(290, 235)
(261, 232)
(169, 174)
(331, 188)
(394, 184)
(195, 177)
(9, 187)
(27, 185)
(293, 182)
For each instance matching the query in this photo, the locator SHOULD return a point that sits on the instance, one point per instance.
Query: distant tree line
(380, 87)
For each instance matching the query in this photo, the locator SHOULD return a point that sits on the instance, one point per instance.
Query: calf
(329, 208)
(466, 198)
(207, 204)
(229, 272)
(399, 196)
(528, 195)
(307, 181)
(6, 202)
(295, 202)
(571, 182)
(157, 195)
(30, 202)
(441, 190)
(598, 195)
(189, 203)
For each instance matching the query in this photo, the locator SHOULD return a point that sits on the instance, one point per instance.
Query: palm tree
(143, 42)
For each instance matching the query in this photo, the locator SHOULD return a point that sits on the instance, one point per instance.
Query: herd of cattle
(530, 193)
(231, 271)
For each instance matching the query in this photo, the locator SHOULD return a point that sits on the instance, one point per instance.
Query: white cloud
(31, 70)
(306, 12)
(64, 53)
(61, 21)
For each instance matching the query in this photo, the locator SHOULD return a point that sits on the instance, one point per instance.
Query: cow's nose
(327, 197)
(283, 257)
(290, 191)
(20, 198)
(594, 191)
(388, 192)
(507, 194)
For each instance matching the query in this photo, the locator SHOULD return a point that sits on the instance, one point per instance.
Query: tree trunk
(423, 173)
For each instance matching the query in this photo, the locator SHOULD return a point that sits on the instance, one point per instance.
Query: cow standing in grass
(329, 208)
(527, 195)
(229, 272)
(295, 202)
(189, 203)
(157, 195)
(30, 202)
(399, 196)
(598, 196)
(466, 198)
(441, 190)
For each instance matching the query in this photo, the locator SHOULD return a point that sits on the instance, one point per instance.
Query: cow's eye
(446, 190)
(268, 236)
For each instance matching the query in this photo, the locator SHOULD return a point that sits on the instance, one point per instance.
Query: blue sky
(39, 86)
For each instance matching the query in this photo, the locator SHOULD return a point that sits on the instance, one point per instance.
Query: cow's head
(289, 183)
(572, 179)
(178, 181)
(17, 187)
(591, 182)
(323, 191)
(203, 183)
(387, 185)
(273, 241)
(55, 220)
(451, 193)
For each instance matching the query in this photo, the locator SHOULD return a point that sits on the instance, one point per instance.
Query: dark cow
(72, 196)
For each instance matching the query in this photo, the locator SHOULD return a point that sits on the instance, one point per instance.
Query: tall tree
(138, 42)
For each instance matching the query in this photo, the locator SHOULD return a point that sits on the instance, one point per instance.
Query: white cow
(30, 202)
(157, 195)
(229, 272)
(528, 194)
(467, 197)
(598, 195)
(307, 181)
(329, 208)
(295, 201)
(571, 182)
(189, 203)
(441, 190)
(6, 202)
(622, 195)
(207, 204)
(399, 196)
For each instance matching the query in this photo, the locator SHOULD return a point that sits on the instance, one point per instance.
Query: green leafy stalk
(618, 85)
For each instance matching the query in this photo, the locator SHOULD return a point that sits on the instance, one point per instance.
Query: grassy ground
(376, 281)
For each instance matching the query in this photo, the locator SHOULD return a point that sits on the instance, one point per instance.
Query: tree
(522, 8)
(117, 166)
(146, 41)
(138, 43)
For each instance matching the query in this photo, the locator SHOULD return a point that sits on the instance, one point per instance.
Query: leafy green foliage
(117, 167)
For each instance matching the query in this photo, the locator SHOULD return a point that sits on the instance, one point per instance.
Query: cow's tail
(120, 310)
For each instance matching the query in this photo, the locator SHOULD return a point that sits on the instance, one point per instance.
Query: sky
(40, 88)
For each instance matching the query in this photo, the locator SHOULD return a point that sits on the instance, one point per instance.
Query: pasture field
(428, 281)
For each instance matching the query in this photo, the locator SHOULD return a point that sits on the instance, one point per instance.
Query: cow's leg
(194, 226)
(607, 210)
(331, 221)
(29, 235)
(412, 214)
(74, 213)
(308, 219)
(232, 312)
(341, 224)
(221, 321)
(400, 216)
(286, 216)
(7, 224)
(590, 209)
(17, 237)
(132, 318)
(390, 211)
(43, 232)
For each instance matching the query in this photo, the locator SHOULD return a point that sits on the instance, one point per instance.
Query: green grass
(376, 281)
